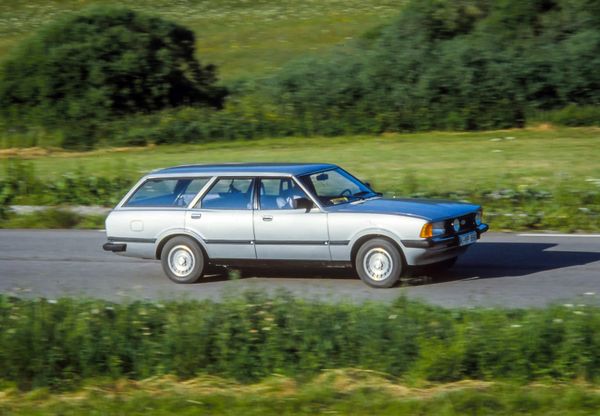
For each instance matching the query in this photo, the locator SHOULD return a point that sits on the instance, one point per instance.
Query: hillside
(241, 37)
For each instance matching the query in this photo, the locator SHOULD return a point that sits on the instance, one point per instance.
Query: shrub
(571, 115)
(21, 186)
(247, 338)
(101, 63)
(468, 64)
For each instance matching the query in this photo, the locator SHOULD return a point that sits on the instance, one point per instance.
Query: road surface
(511, 270)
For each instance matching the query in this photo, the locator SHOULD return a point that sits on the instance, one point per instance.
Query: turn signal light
(427, 231)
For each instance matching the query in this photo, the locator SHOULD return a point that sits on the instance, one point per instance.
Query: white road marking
(468, 278)
(561, 235)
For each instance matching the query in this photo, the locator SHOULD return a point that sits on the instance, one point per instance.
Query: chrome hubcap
(181, 261)
(378, 264)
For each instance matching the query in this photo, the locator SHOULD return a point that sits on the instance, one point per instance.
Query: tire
(378, 263)
(182, 260)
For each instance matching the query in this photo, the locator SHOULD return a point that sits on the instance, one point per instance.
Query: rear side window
(229, 193)
(171, 192)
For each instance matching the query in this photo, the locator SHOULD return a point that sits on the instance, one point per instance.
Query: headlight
(439, 228)
(433, 229)
(479, 217)
(456, 225)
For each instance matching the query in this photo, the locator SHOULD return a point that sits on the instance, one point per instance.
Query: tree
(102, 63)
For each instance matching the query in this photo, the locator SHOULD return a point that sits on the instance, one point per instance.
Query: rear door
(284, 233)
(223, 218)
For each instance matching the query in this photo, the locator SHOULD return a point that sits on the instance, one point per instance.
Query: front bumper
(443, 242)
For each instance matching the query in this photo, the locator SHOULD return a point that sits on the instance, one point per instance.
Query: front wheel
(182, 260)
(379, 263)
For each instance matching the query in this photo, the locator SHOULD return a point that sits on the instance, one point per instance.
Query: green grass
(345, 392)
(241, 37)
(434, 160)
(535, 178)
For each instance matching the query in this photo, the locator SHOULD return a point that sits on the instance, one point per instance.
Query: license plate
(468, 238)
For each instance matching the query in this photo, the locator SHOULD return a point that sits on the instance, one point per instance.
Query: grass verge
(529, 179)
(343, 392)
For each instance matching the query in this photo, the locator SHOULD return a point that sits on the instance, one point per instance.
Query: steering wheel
(346, 191)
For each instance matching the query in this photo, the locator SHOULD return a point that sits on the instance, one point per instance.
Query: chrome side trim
(280, 242)
(132, 240)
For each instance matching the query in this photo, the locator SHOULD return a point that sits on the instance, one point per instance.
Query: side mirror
(303, 203)
(368, 185)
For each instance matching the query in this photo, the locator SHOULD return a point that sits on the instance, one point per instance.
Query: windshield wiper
(362, 194)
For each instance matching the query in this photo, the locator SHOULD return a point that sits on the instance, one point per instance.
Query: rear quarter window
(171, 192)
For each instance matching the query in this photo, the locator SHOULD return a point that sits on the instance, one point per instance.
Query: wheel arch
(364, 238)
(164, 239)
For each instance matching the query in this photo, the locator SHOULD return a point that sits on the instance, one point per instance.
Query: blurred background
(497, 102)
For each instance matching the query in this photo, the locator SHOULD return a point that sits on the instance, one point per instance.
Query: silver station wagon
(262, 214)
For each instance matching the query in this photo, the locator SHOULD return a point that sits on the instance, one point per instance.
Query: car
(247, 214)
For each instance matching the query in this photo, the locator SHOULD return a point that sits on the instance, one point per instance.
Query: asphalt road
(509, 270)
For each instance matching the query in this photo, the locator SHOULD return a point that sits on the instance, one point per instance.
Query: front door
(223, 218)
(282, 232)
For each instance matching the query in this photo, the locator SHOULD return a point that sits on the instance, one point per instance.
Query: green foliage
(458, 65)
(59, 343)
(571, 115)
(53, 218)
(448, 65)
(21, 185)
(101, 63)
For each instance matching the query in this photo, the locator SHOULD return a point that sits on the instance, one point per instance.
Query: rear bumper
(442, 242)
(114, 247)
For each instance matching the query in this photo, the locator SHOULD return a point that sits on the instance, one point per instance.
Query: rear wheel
(182, 260)
(379, 263)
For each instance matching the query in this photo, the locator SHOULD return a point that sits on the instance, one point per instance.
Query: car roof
(250, 169)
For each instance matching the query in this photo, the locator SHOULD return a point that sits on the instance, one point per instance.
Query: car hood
(428, 209)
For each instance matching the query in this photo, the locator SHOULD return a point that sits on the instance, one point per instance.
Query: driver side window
(229, 193)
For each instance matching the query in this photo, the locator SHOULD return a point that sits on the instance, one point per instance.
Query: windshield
(336, 186)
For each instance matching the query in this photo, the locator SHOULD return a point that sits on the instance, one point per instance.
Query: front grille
(467, 223)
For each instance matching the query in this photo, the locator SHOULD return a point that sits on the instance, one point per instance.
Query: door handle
(267, 218)
(196, 216)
